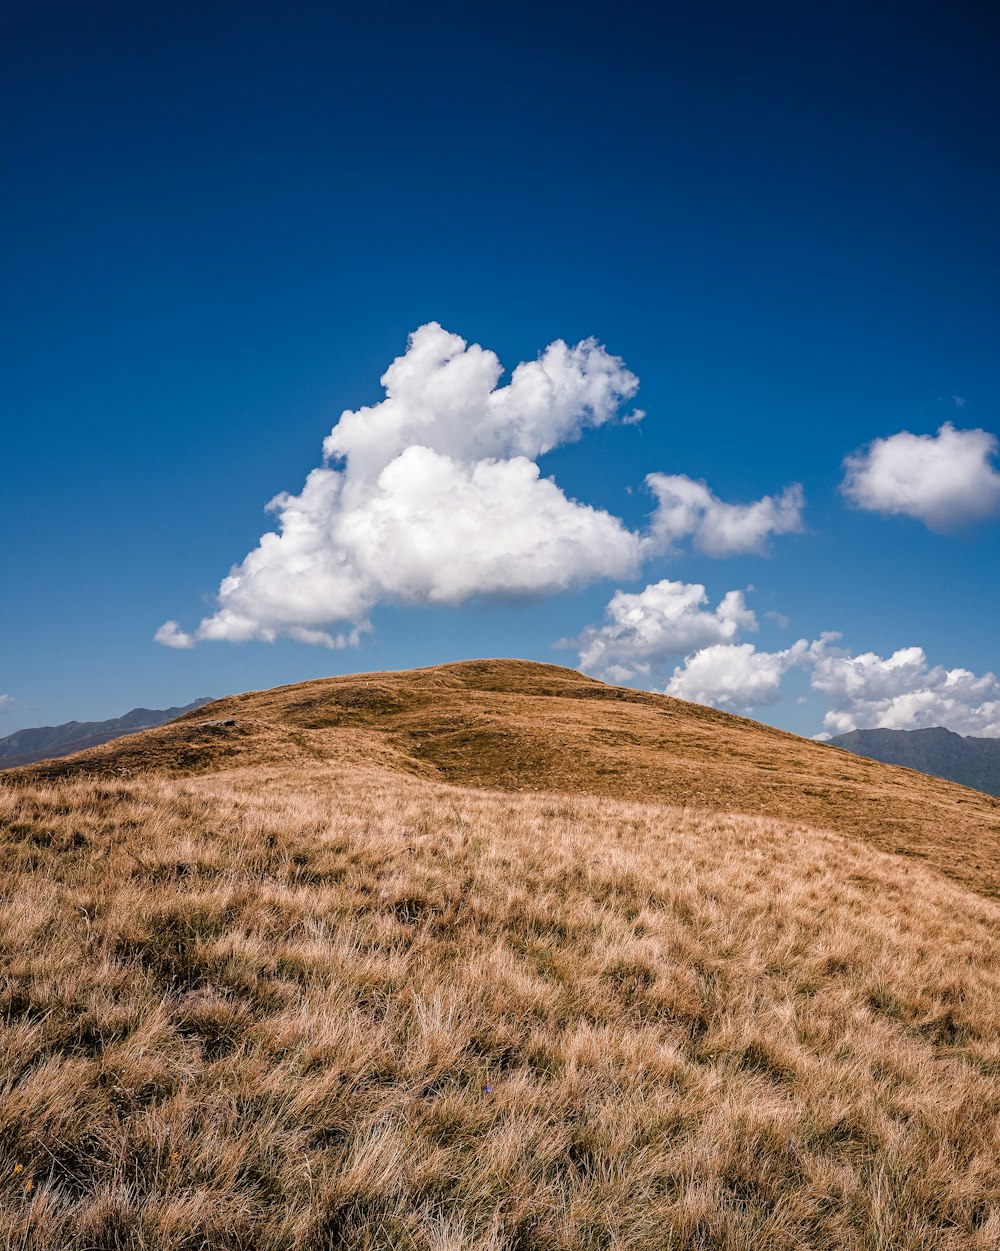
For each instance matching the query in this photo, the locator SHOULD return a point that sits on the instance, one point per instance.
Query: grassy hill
(494, 956)
(514, 725)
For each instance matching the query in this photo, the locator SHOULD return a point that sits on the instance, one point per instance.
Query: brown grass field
(492, 956)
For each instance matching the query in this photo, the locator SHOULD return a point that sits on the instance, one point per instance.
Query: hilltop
(434, 961)
(515, 725)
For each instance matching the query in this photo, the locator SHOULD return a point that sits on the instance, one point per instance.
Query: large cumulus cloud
(434, 495)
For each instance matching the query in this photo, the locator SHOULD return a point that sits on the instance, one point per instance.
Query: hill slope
(277, 977)
(46, 741)
(317, 1008)
(516, 725)
(969, 761)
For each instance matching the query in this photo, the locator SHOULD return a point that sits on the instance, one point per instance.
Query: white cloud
(667, 619)
(442, 394)
(433, 495)
(945, 480)
(865, 691)
(903, 692)
(735, 676)
(688, 509)
(6, 702)
(171, 635)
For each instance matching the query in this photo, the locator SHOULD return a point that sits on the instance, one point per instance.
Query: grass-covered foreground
(355, 1010)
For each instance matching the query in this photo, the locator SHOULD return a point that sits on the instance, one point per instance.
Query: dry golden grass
(515, 725)
(303, 1006)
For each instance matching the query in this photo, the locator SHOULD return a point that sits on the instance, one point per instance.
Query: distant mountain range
(973, 762)
(47, 741)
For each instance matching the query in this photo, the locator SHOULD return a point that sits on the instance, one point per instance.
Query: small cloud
(688, 509)
(945, 480)
(171, 635)
(778, 618)
(958, 401)
(6, 702)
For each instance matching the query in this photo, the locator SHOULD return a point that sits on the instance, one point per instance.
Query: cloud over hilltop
(866, 691)
(434, 495)
(944, 480)
(647, 632)
(735, 676)
(645, 628)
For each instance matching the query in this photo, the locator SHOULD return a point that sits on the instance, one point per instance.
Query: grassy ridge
(519, 726)
(304, 1007)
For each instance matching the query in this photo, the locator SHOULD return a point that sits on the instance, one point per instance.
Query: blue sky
(223, 221)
